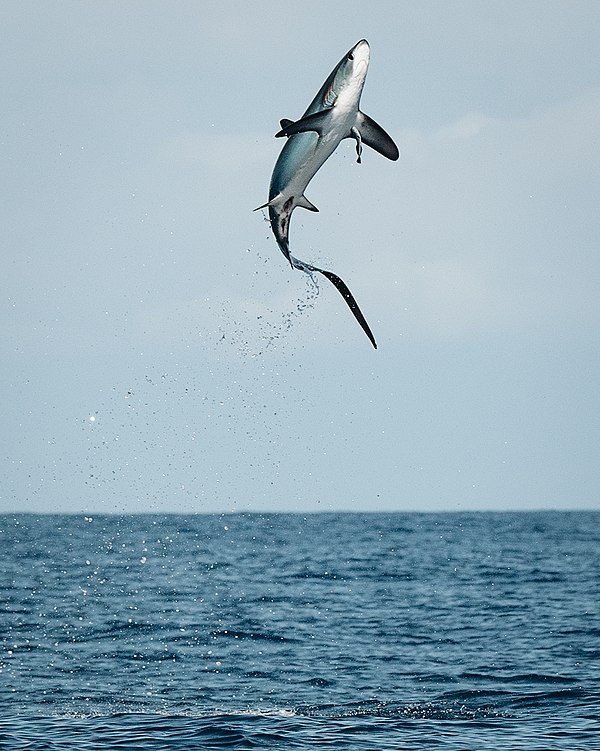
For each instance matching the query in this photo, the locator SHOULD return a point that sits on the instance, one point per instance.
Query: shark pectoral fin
(376, 137)
(341, 287)
(355, 133)
(317, 121)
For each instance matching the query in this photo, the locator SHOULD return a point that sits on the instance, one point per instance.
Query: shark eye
(350, 56)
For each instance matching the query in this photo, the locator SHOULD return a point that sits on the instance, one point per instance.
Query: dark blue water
(341, 631)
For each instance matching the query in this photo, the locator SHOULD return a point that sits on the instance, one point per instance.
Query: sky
(158, 354)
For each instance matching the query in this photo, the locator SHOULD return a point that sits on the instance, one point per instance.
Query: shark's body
(333, 115)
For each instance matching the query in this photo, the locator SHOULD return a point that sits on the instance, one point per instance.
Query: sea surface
(282, 631)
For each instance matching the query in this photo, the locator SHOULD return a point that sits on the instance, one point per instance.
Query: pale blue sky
(139, 289)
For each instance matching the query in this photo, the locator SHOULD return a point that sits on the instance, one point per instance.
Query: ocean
(457, 631)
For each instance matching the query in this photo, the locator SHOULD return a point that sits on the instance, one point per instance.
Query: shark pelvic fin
(273, 202)
(355, 133)
(304, 203)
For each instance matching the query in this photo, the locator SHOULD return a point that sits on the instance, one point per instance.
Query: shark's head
(349, 76)
(359, 55)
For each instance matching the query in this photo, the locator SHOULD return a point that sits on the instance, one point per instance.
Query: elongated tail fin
(342, 288)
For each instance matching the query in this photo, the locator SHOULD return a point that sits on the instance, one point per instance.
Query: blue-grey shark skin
(332, 115)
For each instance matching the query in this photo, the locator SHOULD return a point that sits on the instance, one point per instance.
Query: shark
(332, 116)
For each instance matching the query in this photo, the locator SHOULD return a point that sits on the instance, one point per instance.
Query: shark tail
(342, 288)
(280, 213)
(279, 216)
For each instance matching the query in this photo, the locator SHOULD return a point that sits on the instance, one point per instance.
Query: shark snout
(361, 53)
